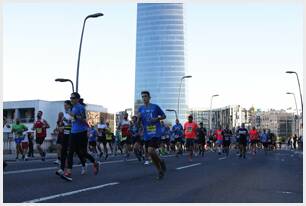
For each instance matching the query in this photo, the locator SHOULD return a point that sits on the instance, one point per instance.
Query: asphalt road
(275, 178)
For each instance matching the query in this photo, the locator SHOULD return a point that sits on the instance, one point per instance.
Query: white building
(27, 110)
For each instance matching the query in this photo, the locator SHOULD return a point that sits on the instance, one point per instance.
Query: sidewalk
(12, 157)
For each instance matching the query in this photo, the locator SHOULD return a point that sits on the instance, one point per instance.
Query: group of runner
(146, 135)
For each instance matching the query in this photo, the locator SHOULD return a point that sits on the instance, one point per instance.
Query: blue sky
(240, 51)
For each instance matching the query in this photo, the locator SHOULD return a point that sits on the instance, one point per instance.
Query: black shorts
(265, 144)
(92, 144)
(127, 141)
(59, 139)
(178, 140)
(201, 141)
(153, 142)
(110, 141)
(254, 142)
(40, 140)
(101, 139)
(189, 142)
(136, 139)
(226, 143)
(165, 141)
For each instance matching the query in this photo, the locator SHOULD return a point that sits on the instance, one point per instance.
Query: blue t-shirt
(178, 130)
(264, 137)
(92, 135)
(77, 124)
(147, 113)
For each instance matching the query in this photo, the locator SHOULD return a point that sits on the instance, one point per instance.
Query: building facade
(27, 110)
(160, 56)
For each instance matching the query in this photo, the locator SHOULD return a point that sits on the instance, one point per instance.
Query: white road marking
(284, 192)
(193, 165)
(71, 193)
(54, 168)
(222, 158)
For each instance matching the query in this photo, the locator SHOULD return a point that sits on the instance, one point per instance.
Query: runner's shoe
(96, 168)
(160, 175)
(146, 162)
(57, 162)
(67, 176)
(59, 172)
(84, 170)
(163, 165)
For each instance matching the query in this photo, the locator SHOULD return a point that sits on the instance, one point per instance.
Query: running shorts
(153, 142)
(189, 142)
(40, 140)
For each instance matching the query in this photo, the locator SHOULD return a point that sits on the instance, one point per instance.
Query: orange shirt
(190, 130)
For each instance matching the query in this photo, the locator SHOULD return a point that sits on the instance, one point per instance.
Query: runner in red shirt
(190, 131)
(40, 127)
(254, 138)
(219, 136)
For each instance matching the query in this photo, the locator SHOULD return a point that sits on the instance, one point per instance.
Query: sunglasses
(72, 97)
(144, 96)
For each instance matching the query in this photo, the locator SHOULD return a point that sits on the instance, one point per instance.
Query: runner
(150, 116)
(18, 129)
(78, 139)
(66, 138)
(201, 134)
(109, 139)
(40, 127)
(136, 138)
(92, 140)
(162, 149)
(254, 137)
(25, 145)
(31, 145)
(178, 132)
(101, 136)
(264, 140)
(118, 142)
(190, 130)
(227, 135)
(219, 138)
(243, 134)
(124, 126)
(60, 135)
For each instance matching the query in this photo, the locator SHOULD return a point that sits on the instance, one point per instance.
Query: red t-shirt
(41, 132)
(253, 134)
(218, 134)
(190, 130)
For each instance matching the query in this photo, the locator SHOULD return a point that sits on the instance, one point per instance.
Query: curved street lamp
(78, 66)
(178, 101)
(215, 95)
(297, 76)
(65, 80)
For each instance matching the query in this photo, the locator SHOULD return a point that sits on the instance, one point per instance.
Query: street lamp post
(65, 80)
(78, 66)
(172, 110)
(215, 95)
(178, 101)
(297, 111)
(297, 76)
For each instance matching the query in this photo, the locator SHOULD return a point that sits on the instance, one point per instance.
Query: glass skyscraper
(160, 56)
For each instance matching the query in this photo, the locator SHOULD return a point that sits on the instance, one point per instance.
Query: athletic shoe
(26, 158)
(59, 172)
(96, 168)
(67, 176)
(146, 162)
(83, 170)
(160, 176)
(57, 162)
(163, 165)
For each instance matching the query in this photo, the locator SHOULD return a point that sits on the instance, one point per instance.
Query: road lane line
(222, 158)
(55, 167)
(193, 165)
(71, 193)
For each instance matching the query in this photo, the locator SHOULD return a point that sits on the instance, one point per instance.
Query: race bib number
(39, 130)
(123, 138)
(189, 129)
(151, 128)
